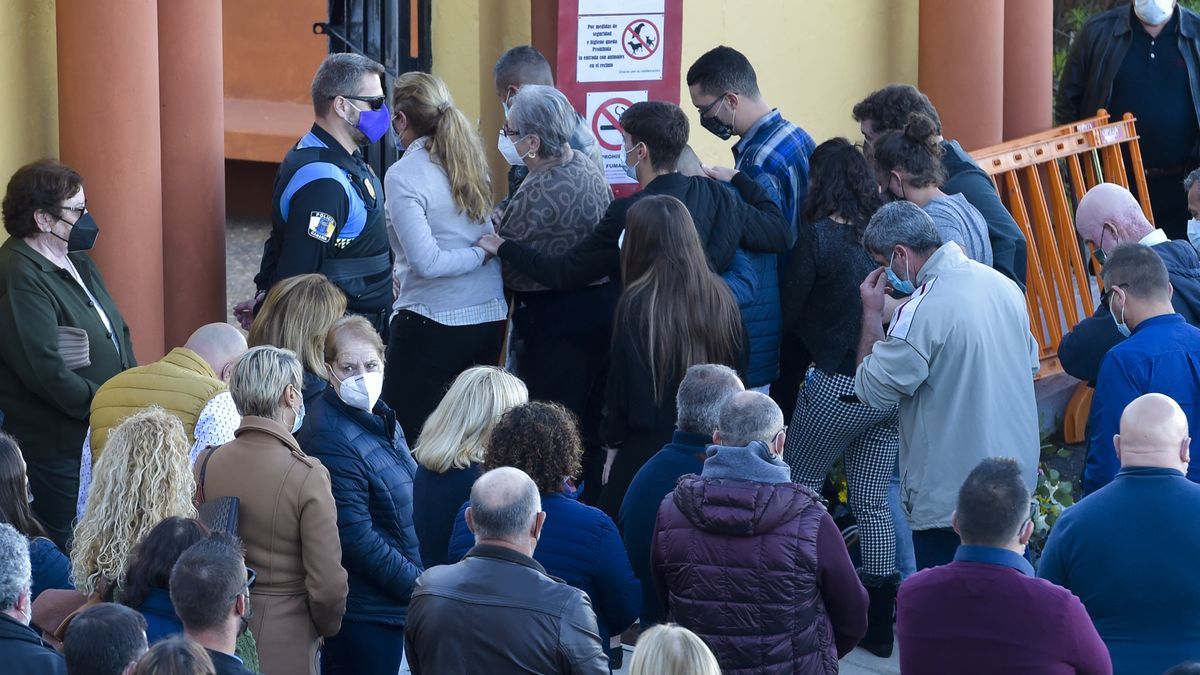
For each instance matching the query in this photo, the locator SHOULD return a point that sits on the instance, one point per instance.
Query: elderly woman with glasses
(63, 334)
(560, 338)
(287, 517)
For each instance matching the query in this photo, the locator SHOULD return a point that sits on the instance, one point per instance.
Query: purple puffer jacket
(736, 562)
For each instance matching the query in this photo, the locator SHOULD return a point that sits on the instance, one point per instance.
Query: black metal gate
(392, 32)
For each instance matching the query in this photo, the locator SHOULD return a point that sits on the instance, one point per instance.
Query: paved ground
(244, 238)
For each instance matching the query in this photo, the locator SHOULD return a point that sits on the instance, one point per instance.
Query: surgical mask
(714, 124)
(361, 391)
(900, 285)
(373, 123)
(1193, 232)
(509, 150)
(399, 143)
(630, 169)
(1154, 12)
(83, 234)
(1122, 327)
(299, 417)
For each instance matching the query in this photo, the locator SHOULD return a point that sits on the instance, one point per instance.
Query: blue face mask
(299, 417)
(900, 285)
(1122, 327)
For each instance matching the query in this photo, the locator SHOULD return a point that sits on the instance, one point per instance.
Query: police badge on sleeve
(321, 226)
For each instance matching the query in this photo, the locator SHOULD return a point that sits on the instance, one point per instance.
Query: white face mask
(509, 150)
(1193, 232)
(1154, 12)
(630, 169)
(361, 391)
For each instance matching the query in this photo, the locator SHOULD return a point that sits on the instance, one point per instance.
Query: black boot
(880, 636)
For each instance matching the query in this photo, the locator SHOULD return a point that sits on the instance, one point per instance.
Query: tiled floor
(244, 238)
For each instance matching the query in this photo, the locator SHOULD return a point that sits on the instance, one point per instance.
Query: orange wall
(270, 50)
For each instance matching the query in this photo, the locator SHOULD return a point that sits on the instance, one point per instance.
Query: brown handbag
(58, 607)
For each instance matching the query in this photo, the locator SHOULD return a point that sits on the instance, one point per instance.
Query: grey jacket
(959, 360)
(497, 611)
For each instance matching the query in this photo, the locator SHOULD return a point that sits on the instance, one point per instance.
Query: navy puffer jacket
(371, 470)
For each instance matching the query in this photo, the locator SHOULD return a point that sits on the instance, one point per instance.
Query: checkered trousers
(825, 427)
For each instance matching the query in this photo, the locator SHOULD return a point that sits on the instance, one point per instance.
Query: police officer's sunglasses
(376, 102)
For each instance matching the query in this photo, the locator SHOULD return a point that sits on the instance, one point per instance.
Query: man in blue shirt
(1161, 355)
(1129, 551)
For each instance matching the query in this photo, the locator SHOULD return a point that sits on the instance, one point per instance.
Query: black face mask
(718, 128)
(83, 234)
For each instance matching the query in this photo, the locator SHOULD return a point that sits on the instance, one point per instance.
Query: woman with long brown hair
(450, 309)
(674, 312)
(51, 569)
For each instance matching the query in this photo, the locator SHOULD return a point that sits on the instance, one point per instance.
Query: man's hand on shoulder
(721, 173)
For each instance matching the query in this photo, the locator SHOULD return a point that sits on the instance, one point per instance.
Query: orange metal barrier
(1041, 179)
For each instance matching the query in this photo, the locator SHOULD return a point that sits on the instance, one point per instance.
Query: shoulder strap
(200, 498)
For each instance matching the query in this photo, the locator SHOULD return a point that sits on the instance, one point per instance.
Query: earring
(532, 155)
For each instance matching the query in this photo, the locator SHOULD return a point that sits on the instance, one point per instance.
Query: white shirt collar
(1156, 236)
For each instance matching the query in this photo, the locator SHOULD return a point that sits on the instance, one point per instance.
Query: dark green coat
(46, 404)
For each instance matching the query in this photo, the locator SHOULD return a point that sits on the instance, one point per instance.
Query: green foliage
(1053, 495)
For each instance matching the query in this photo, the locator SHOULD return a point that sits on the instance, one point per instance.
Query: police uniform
(327, 217)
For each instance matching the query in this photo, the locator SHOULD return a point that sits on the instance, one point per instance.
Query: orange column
(193, 165)
(109, 131)
(1028, 61)
(960, 61)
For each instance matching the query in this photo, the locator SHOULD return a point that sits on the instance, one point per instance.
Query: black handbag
(219, 515)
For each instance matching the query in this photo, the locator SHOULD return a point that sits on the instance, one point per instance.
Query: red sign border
(666, 89)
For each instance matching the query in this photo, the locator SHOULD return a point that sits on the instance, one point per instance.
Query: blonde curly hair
(143, 476)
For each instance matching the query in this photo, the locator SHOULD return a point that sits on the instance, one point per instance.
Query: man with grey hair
(21, 649)
(497, 610)
(524, 65)
(704, 390)
(327, 211)
(740, 537)
(1109, 215)
(959, 360)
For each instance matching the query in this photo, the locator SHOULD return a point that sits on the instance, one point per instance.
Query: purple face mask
(374, 123)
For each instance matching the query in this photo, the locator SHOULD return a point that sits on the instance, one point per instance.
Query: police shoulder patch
(321, 226)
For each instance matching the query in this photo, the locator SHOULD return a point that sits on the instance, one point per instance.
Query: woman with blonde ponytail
(450, 311)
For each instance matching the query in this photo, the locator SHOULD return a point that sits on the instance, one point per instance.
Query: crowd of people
(481, 437)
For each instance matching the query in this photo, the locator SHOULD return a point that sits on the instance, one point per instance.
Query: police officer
(327, 214)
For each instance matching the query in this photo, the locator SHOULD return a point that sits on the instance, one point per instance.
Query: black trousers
(363, 649)
(934, 547)
(560, 347)
(424, 357)
(1169, 202)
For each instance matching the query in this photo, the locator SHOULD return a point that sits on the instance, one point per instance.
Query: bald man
(496, 610)
(189, 382)
(1109, 215)
(1130, 550)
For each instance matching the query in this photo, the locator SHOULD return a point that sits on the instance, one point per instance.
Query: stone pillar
(108, 107)
(1028, 61)
(960, 64)
(193, 165)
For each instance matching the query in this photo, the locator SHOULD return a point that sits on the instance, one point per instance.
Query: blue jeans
(934, 547)
(906, 561)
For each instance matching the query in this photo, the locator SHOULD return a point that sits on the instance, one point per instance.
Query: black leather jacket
(497, 611)
(1096, 54)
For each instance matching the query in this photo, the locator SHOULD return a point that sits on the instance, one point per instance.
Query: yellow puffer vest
(182, 383)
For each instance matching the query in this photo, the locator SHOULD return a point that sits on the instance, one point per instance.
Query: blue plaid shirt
(780, 150)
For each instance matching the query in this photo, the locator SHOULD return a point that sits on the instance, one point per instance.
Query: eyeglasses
(715, 101)
(77, 210)
(509, 131)
(251, 575)
(376, 102)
